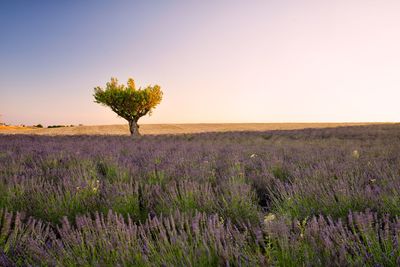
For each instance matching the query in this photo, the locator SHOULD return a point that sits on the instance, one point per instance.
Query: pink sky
(231, 61)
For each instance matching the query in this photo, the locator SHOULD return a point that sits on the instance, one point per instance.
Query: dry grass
(168, 128)
(7, 128)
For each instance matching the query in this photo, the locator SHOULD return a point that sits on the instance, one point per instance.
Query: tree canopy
(127, 101)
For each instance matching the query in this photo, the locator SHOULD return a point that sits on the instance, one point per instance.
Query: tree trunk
(134, 129)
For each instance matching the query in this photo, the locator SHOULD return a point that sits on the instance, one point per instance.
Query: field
(147, 129)
(305, 197)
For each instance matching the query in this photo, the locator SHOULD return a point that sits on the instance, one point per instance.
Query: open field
(11, 128)
(169, 128)
(313, 197)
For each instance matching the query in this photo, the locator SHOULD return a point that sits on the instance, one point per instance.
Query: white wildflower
(356, 154)
(269, 218)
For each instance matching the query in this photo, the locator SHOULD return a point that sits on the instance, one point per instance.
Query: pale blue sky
(216, 61)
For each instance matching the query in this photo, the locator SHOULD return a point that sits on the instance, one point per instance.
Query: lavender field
(313, 197)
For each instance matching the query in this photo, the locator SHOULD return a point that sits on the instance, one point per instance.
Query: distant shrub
(56, 126)
(38, 126)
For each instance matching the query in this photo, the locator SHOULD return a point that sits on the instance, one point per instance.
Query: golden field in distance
(147, 129)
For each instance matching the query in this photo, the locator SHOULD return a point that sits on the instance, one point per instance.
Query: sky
(216, 61)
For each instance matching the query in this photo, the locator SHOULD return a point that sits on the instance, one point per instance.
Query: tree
(129, 102)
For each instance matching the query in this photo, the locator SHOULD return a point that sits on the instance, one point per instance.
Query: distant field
(169, 128)
(14, 128)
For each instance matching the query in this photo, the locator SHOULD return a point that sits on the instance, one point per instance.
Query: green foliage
(239, 202)
(3, 195)
(55, 126)
(111, 172)
(127, 201)
(127, 101)
(281, 173)
(42, 201)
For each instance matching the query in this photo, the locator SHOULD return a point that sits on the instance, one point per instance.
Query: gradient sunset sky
(216, 61)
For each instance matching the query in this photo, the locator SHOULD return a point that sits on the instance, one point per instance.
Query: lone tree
(129, 102)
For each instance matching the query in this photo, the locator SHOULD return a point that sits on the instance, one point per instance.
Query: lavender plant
(315, 197)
